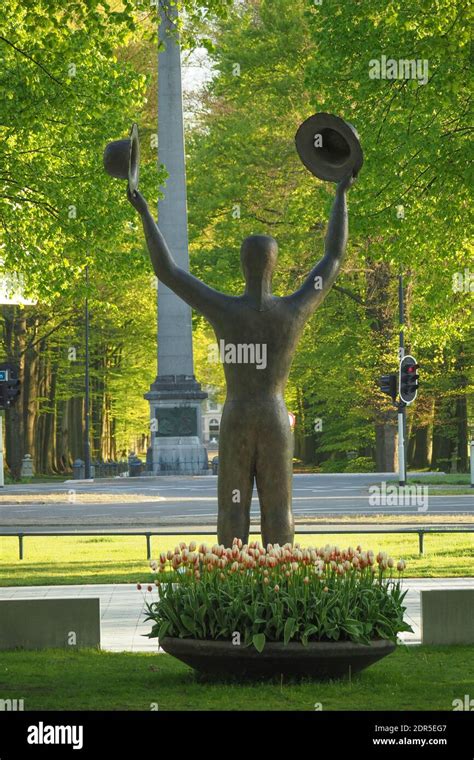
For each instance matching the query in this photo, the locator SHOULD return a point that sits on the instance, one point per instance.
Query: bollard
(421, 543)
(148, 546)
(78, 470)
(27, 467)
(20, 546)
(472, 463)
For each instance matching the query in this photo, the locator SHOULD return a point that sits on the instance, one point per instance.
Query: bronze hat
(122, 158)
(329, 147)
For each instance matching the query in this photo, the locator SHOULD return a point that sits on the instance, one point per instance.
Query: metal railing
(421, 532)
(109, 469)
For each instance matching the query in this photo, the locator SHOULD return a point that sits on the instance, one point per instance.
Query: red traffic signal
(408, 379)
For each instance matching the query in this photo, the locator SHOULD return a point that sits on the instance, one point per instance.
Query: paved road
(193, 501)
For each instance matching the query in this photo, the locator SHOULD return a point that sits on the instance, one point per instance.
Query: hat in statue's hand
(329, 147)
(122, 159)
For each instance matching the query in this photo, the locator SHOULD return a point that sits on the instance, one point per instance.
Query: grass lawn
(37, 479)
(82, 559)
(412, 678)
(453, 491)
(452, 479)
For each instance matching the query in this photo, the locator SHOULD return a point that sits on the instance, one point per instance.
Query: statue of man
(255, 440)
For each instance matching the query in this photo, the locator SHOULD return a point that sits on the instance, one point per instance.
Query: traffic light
(9, 385)
(408, 379)
(388, 385)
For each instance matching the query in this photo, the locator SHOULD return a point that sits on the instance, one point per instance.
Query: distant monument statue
(257, 334)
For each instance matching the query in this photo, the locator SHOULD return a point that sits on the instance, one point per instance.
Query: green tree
(276, 64)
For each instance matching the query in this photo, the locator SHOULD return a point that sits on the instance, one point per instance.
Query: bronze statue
(257, 333)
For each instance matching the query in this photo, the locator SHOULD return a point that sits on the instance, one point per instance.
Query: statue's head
(258, 255)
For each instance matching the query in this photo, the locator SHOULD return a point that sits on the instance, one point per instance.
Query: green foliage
(409, 210)
(282, 594)
(67, 93)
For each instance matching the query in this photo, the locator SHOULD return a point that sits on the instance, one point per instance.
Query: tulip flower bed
(277, 594)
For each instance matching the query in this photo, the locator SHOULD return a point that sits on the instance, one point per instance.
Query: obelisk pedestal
(175, 397)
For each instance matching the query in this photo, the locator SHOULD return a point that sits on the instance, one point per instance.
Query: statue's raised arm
(321, 278)
(196, 293)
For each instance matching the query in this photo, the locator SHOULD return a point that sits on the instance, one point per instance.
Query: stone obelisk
(175, 397)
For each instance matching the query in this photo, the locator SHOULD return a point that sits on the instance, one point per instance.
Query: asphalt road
(193, 501)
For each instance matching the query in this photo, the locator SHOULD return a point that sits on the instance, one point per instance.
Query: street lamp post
(87, 449)
(402, 427)
(471, 451)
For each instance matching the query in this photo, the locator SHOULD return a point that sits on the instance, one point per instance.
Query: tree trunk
(443, 434)
(14, 343)
(386, 459)
(419, 458)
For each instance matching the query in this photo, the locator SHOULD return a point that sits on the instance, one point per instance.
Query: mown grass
(62, 560)
(453, 479)
(412, 678)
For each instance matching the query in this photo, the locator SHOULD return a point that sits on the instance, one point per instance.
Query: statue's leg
(236, 472)
(274, 474)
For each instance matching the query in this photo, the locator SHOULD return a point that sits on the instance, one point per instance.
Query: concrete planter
(49, 623)
(318, 660)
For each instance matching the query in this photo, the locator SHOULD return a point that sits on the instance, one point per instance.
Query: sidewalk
(122, 608)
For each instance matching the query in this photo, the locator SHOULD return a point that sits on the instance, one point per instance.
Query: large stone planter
(319, 660)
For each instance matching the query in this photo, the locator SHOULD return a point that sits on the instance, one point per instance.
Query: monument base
(179, 456)
(176, 427)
